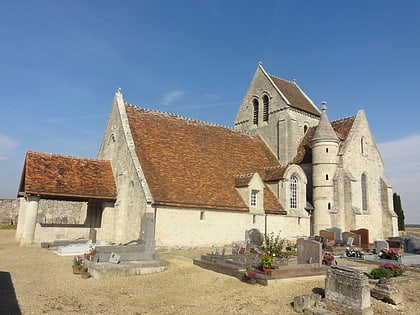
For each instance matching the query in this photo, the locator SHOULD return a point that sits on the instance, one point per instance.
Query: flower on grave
(328, 259)
(78, 262)
(387, 270)
(266, 270)
(266, 261)
(354, 252)
(250, 275)
(389, 253)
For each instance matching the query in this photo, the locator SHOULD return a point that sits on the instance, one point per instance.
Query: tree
(399, 211)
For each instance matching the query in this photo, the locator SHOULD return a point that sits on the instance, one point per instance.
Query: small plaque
(115, 258)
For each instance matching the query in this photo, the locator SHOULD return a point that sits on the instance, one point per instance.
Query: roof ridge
(246, 175)
(280, 78)
(272, 167)
(190, 119)
(65, 155)
(344, 118)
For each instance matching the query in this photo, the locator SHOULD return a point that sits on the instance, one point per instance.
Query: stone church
(284, 168)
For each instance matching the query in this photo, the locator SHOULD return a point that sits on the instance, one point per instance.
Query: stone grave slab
(309, 252)
(348, 289)
(254, 237)
(379, 245)
(364, 237)
(356, 238)
(328, 236)
(337, 231)
(412, 244)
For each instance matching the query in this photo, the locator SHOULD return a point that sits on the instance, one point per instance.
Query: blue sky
(62, 61)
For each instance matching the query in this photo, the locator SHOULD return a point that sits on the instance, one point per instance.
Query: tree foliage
(399, 211)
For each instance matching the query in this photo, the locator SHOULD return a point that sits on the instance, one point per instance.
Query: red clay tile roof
(53, 175)
(294, 95)
(341, 127)
(193, 164)
(304, 151)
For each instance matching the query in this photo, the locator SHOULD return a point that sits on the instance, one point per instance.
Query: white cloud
(6, 143)
(169, 97)
(402, 167)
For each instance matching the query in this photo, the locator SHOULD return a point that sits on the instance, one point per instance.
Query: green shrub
(378, 273)
(273, 245)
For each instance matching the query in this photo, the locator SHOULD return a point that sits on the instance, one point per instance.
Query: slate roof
(295, 95)
(193, 164)
(341, 127)
(66, 177)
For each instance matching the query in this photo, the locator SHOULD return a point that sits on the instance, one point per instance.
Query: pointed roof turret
(324, 131)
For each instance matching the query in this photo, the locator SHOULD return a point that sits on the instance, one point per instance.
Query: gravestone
(388, 292)
(379, 245)
(356, 238)
(147, 228)
(395, 242)
(364, 237)
(328, 236)
(412, 244)
(254, 237)
(337, 231)
(348, 289)
(309, 252)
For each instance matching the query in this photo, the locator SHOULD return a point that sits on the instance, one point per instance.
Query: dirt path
(37, 281)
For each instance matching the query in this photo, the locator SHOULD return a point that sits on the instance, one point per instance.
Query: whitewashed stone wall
(192, 228)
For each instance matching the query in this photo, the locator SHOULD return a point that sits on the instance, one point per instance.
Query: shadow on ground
(8, 301)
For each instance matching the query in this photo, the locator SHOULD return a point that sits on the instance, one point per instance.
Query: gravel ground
(37, 281)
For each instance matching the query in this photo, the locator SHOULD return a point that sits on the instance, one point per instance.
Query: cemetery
(312, 286)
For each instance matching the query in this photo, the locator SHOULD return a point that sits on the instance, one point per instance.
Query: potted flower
(266, 261)
(328, 259)
(249, 276)
(79, 265)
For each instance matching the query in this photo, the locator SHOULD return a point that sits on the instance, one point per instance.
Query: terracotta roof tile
(342, 127)
(295, 96)
(191, 163)
(54, 175)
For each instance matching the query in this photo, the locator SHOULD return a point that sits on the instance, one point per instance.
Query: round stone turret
(325, 145)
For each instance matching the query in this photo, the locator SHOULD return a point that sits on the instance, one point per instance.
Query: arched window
(305, 129)
(364, 192)
(255, 107)
(266, 108)
(293, 192)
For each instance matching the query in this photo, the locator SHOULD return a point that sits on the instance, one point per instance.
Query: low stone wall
(9, 209)
(49, 212)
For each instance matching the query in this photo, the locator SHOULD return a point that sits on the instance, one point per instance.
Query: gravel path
(37, 281)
